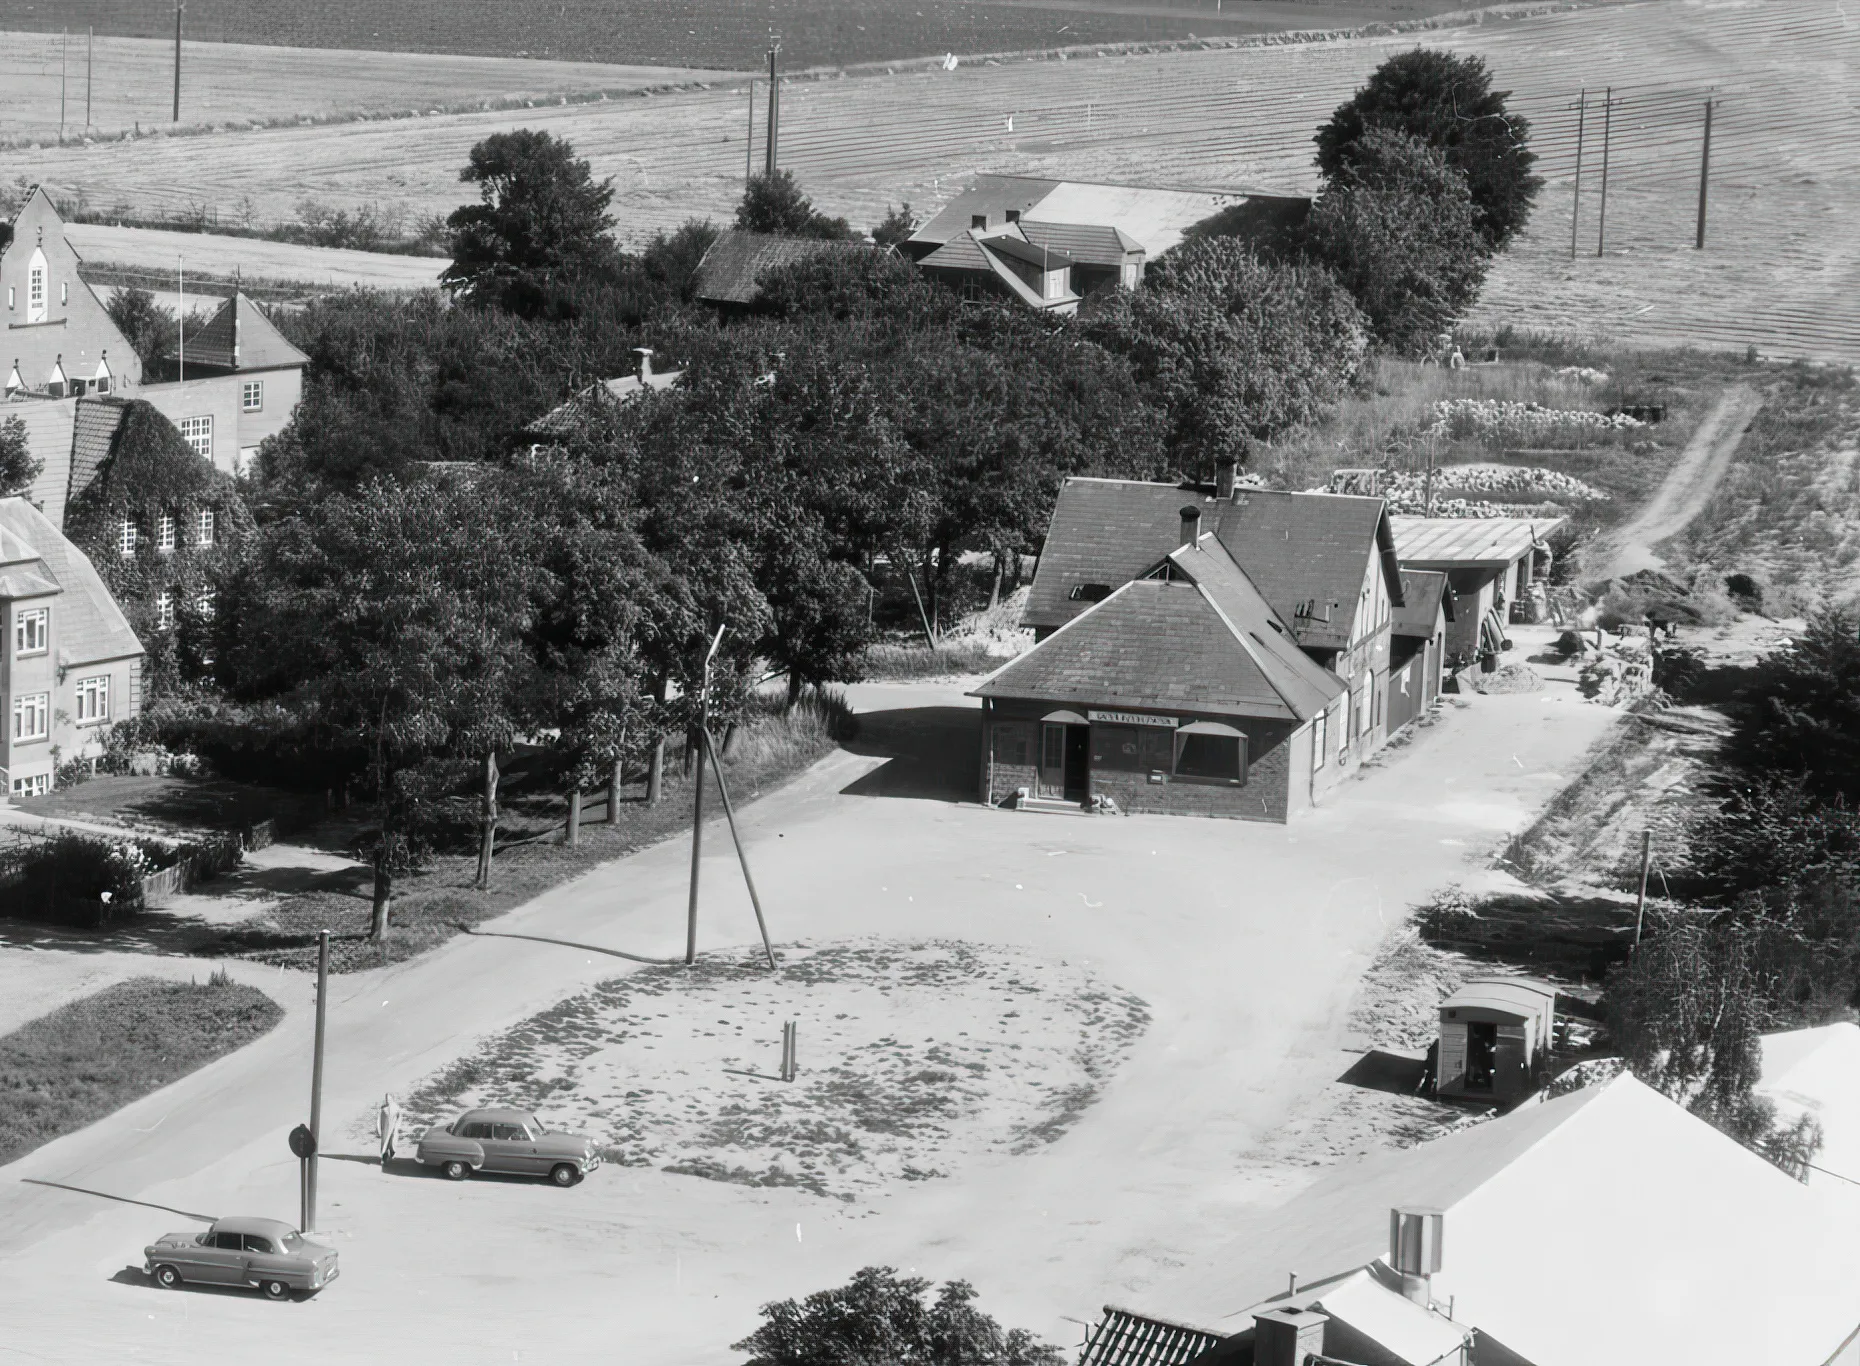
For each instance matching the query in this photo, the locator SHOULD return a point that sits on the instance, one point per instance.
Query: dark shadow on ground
(933, 753)
(1379, 1071)
(267, 883)
(140, 1278)
(120, 1199)
(570, 944)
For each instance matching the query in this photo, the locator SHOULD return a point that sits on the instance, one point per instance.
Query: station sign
(1131, 718)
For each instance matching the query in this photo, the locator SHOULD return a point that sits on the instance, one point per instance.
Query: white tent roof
(1604, 1228)
(1817, 1071)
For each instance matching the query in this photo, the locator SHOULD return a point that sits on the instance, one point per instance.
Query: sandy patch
(914, 1058)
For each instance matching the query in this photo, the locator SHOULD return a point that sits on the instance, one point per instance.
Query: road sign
(303, 1142)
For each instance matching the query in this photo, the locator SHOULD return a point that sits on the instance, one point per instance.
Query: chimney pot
(1191, 525)
(1224, 476)
(1288, 1336)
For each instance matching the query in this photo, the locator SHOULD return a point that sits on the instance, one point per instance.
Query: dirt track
(1684, 494)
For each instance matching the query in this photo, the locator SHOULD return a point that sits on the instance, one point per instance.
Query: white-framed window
(165, 531)
(38, 278)
(126, 536)
(164, 609)
(32, 631)
(205, 602)
(35, 785)
(198, 433)
(32, 716)
(252, 396)
(93, 700)
(203, 527)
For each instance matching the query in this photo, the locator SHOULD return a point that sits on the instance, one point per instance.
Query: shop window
(1219, 757)
(1132, 749)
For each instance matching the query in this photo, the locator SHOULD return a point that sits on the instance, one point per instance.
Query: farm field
(157, 250)
(1781, 266)
(728, 35)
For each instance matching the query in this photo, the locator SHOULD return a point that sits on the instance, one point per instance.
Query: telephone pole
(1704, 176)
(316, 1081)
(64, 43)
(90, 67)
(1601, 222)
(178, 9)
(749, 145)
(1575, 208)
(769, 157)
(697, 801)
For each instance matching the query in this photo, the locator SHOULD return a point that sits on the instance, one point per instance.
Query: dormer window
(1090, 592)
(14, 384)
(55, 382)
(1013, 215)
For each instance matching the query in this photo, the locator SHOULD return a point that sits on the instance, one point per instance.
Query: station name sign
(1130, 718)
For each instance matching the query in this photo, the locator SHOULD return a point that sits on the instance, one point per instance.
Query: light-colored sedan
(264, 1253)
(513, 1142)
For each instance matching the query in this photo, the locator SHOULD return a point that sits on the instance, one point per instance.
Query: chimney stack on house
(1191, 525)
(1224, 476)
(1288, 1337)
(645, 362)
(1414, 1250)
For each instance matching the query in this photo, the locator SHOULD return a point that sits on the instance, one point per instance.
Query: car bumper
(318, 1282)
(590, 1163)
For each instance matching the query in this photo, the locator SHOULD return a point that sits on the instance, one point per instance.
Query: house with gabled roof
(730, 273)
(585, 407)
(73, 666)
(1005, 262)
(236, 382)
(1607, 1227)
(1262, 617)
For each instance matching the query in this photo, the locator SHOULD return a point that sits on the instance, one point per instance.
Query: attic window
(1013, 215)
(978, 220)
(1090, 592)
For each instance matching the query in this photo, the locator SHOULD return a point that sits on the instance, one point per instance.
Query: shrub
(46, 876)
(1803, 710)
(1745, 591)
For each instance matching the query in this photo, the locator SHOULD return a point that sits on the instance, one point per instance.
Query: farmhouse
(1583, 1231)
(238, 382)
(1495, 566)
(73, 666)
(1205, 649)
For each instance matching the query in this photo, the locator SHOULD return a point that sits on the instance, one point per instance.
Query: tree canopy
(17, 467)
(773, 203)
(1446, 101)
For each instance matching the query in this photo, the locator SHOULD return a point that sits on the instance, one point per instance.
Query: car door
(264, 1259)
(516, 1153)
(194, 1262)
(222, 1260)
(494, 1139)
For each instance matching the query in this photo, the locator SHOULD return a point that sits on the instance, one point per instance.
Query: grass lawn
(440, 900)
(890, 662)
(161, 804)
(90, 1058)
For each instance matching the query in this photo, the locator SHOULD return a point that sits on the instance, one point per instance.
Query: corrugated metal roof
(1126, 1339)
(1438, 542)
(736, 262)
(91, 627)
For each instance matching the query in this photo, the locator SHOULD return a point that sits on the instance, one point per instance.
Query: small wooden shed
(1495, 1035)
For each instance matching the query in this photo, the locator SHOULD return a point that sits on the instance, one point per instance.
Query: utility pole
(90, 67)
(1601, 223)
(1646, 863)
(742, 857)
(180, 320)
(1575, 208)
(316, 1081)
(1704, 175)
(697, 802)
(64, 43)
(178, 8)
(769, 156)
(749, 143)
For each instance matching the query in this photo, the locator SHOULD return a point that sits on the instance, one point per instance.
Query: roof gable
(91, 627)
(1308, 552)
(1425, 594)
(240, 337)
(93, 436)
(1089, 244)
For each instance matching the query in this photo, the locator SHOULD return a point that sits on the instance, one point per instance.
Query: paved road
(1246, 940)
(1683, 495)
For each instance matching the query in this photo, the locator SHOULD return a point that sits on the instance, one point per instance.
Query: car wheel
(456, 1171)
(277, 1290)
(564, 1174)
(167, 1277)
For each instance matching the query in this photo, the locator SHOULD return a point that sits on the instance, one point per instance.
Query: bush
(45, 877)
(1745, 591)
(881, 1317)
(1802, 713)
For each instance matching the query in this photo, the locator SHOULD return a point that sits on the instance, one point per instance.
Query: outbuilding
(1417, 644)
(1495, 1035)
(1492, 564)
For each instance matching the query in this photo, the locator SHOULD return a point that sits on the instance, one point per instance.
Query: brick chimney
(1224, 476)
(1191, 525)
(645, 362)
(1288, 1337)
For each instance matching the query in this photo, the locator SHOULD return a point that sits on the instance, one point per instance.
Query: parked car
(514, 1142)
(265, 1253)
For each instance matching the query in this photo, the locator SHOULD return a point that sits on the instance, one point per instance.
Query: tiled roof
(1423, 592)
(1126, 1339)
(1468, 542)
(93, 434)
(1019, 248)
(736, 262)
(1297, 548)
(241, 337)
(1162, 645)
(985, 253)
(566, 417)
(1090, 244)
(91, 627)
(1155, 216)
(961, 252)
(989, 195)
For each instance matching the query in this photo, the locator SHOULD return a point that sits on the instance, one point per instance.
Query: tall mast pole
(1575, 208)
(769, 157)
(178, 8)
(1608, 121)
(1704, 176)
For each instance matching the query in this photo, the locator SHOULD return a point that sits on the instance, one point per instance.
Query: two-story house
(1201, 649)
(70, 666)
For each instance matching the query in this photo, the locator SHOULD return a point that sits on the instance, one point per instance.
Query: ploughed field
(720, 33)
(1781, 267)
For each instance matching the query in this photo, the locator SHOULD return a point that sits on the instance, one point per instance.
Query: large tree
(542, 221)
(1396, 226)
(773, 203)
(17, 467)
(1802, 712)
(1446, 101)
